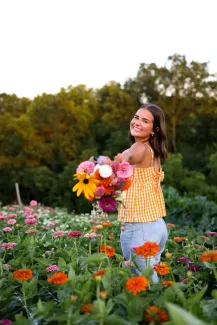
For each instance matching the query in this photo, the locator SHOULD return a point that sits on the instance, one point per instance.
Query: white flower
(121, 196)
(105, 171)
(96, 167)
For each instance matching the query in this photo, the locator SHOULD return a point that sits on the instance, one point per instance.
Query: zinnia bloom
(7, 229)
(8, 245)
(52, 268)
(22, 274)
(74, 234)
(124, 170)
(11, 222)
(183, 259)
(179, 239)
(105, 171)
(87, 308)
(162, 268)
(210, 256)
(212, 233)
(137, 284)
(108, 204)
(87, 185)
(154, 314)
(167, 283)
(58, 278)
(30, 221)
(58, 234)
(33, 203)
(194, 268)
(100, 191)
(98, 273)
(5, 322)
(86, 167)
(108, 250)
(105, 224)
(147, 249)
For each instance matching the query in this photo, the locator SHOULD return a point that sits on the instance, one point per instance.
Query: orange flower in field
(179, 239)
(204, 238)
(127, 184)
(108, 250)
(103, 294)
(87, 308)
(210, 256)
(147, 249)
(137, 284)
(98, 273)
(58, 278)
(170, 225)
(167, 283)
(22, 274)
(106, 224)
(155, 314)
(162, 268)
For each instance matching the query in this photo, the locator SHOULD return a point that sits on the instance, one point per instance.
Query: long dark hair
(158, 141)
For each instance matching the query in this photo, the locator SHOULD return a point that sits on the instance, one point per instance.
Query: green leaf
(136, 308)
(97, 257)
(40, 306)
(196, 297)
(115, 319)
(214, 294)
(107, 281)
(61, 262)
(40, 260)
(181, 316)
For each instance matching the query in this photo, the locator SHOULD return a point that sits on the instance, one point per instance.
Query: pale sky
(49, 44)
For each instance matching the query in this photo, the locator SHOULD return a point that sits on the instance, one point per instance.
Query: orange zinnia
(147, 249)
(179, 239)
(167, 283)
(98, 273)
(154, 314)
(109, 190)
(210, 256)
(162, 268)
(58, 278)
(106, 224)
(137, 284)
(103, 181)
(127, 184)
(108, 250)
(22, 274)
(86, 308)
(170, 225)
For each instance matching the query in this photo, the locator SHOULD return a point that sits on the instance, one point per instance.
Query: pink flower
(11, 222)
(33, 203)
(58, 234)
(8, 245)
(12, 215)
(212, 233)
(7, 229)
(52, 268)
(90, 235)
(100, 191)
(31, 221)
(8, 266)
(27, 210)
(3, 218)
(114, 182)
(52, 223)
(74, 234)
(107, 161)
(30, 216)
(86, 167)
(5, 322)
(124, 170)
(11, 209)
(108, 204)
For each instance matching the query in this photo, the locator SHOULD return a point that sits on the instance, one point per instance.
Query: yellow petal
(80, 190)
(76, 187)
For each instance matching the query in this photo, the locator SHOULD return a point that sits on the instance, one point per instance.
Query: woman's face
(141, 125)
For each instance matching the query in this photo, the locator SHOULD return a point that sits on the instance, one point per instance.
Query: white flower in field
(105, 171)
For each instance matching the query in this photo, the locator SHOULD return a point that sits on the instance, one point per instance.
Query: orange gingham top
(144, 200)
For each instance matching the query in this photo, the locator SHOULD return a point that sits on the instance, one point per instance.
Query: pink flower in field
(11, 209)
(29, 221)
(11, 222)
(127, 263)
(12, 216)
(8, 245)
(8, 266)
(27, 210)
(5, 322)
(52, 223)
(33, 203)
(212, 233)
(124, 170)
(3, 217)
(52, 268)
(58, 234)
(30, 216)
(100, 191)
(90, 235)
(74, 234)
(7, 229)
(108, 204)
(86, 167)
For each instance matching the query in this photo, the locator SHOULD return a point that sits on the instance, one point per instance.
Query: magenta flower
(33, 203)
(183, 259)
(124, 170)
(194, 268)
(3, 217)
(8, 245)
(7, 229)
(12, 215)
(58, 234)
(86, 167)
(5, 322)
(212, 233)
(74, 234)
(52, 268)
(11, 222)
(30, 221)
(108, 204)
(100, 191)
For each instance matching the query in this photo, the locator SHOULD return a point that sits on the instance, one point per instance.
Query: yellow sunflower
(86, 184)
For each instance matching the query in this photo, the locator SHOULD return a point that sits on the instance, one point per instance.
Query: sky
(49, 44)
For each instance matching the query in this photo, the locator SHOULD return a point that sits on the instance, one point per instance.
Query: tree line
(42, 140)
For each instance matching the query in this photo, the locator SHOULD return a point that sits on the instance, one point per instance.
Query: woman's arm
(133, 155)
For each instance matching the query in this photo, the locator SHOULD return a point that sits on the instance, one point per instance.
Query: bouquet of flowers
(103, 180)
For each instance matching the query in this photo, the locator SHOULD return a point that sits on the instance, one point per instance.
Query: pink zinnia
(5, 322)
(11, 209)
(124, 170)
(74, 234)
(90, 235)
(11, 222)
(8, 245)
(58, 234)
(212, 233)
(108, 204)
(33, 203)
(52, 268)
(7, 229)
(52, 223)
(100, 191)
(30, 216)
(27, 210)
(12, 215)
(86, 167)
(31, 221)
(3, 217)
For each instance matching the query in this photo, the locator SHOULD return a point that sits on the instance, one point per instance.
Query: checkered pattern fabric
(144, 200)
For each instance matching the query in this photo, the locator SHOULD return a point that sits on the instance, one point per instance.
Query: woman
(143, 208)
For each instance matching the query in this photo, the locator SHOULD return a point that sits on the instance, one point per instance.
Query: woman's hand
(119, 157)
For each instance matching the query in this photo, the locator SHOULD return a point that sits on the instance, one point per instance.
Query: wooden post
(18, 195)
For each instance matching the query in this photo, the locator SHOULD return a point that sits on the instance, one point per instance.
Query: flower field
(60, 268)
